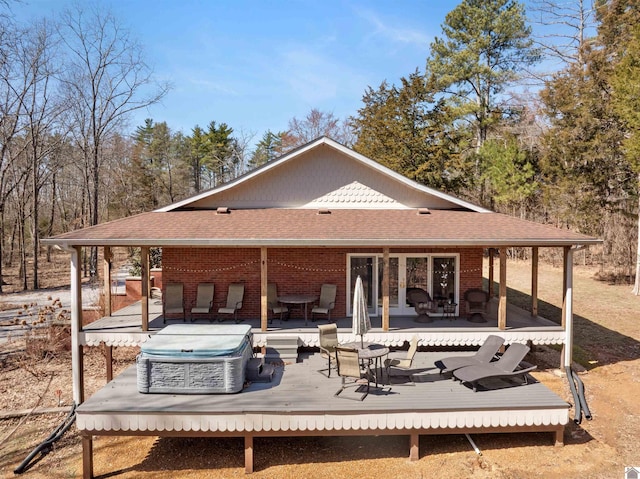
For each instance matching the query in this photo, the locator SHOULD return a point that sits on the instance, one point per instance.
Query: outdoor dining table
(370, 352)
(300, 299)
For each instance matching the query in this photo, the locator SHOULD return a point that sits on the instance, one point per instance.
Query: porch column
(264, 313)
(492, 253)
(502, 302)
(106, 268)
(534, 281)
(385, 289)
(567, 309)
(144, 266)
(77, 366)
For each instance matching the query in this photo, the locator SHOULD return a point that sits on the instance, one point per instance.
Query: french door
(435, 273)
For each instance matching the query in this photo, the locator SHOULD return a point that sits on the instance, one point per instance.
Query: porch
(124, 328)
(300, 402)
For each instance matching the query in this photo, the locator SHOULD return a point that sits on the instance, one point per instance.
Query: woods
(531, 109)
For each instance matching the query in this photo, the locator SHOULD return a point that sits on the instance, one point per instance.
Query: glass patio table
(371, 352)
(299, 299)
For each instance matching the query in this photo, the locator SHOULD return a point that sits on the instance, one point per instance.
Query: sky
(255, 65)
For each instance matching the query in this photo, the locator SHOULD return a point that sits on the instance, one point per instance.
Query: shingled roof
(323, 194)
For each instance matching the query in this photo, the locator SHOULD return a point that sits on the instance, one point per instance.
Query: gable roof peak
(449, 201)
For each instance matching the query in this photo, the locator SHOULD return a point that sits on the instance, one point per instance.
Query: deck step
(281, 348)
(259, 372)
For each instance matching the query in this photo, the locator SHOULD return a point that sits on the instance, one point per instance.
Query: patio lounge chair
(173, 301)
(503, 368)
(273, 306)
(422, 303)
(403, 364)
(204, 300)
(235, 296)
(476, 302)
(327, 301)
(484, 355)
(328, 343)
(348, 365)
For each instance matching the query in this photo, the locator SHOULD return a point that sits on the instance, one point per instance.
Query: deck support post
(144, 299)
(502, 301)
(414, 446)
(264, 313)
(108, 357)
(559, 437)
(385, 289)
(87, 457)
(248, 454)
(534, 281)
(106, 268)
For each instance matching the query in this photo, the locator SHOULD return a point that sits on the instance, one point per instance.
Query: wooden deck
(300, 402)
(123, 328)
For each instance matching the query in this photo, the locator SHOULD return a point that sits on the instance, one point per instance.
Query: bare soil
(607, 346)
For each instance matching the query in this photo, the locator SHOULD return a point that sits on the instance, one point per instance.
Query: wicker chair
(422, 303)
(476, 302)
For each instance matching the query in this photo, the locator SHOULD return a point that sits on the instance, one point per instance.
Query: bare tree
(563, 28)
(316, 124)
(106, 79)
(15, 86)
(42, 110)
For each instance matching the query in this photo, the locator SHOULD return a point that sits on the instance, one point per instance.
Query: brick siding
(294, 270)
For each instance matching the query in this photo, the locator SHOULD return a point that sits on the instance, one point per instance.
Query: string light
(298, 267)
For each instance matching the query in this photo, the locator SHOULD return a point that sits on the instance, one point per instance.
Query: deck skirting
(429, 422)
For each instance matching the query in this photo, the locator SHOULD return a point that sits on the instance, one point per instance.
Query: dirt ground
(607, 345)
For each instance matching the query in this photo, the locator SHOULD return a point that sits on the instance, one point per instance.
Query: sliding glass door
(436, 274)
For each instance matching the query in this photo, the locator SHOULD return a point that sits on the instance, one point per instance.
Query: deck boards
(300, 387)
(300, 402)
(123, 328)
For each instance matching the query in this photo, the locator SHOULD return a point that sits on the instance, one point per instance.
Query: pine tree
(485, 44)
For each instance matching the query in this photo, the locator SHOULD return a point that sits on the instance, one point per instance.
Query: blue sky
(256, 64)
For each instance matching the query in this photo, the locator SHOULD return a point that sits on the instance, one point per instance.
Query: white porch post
(77, 366)
(106, 281)
(567, 357)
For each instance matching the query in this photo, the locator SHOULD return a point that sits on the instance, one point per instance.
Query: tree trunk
(34, 213)
(1, 247)
(636, 287)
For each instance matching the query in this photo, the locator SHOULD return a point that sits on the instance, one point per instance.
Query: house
(323, 214)
(326, 214)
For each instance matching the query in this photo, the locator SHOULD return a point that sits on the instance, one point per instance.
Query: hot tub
(195, 359)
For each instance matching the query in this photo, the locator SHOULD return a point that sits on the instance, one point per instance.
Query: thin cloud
(391, 32)
(316, 78)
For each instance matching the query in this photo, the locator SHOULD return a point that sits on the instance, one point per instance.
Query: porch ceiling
(308, 227)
